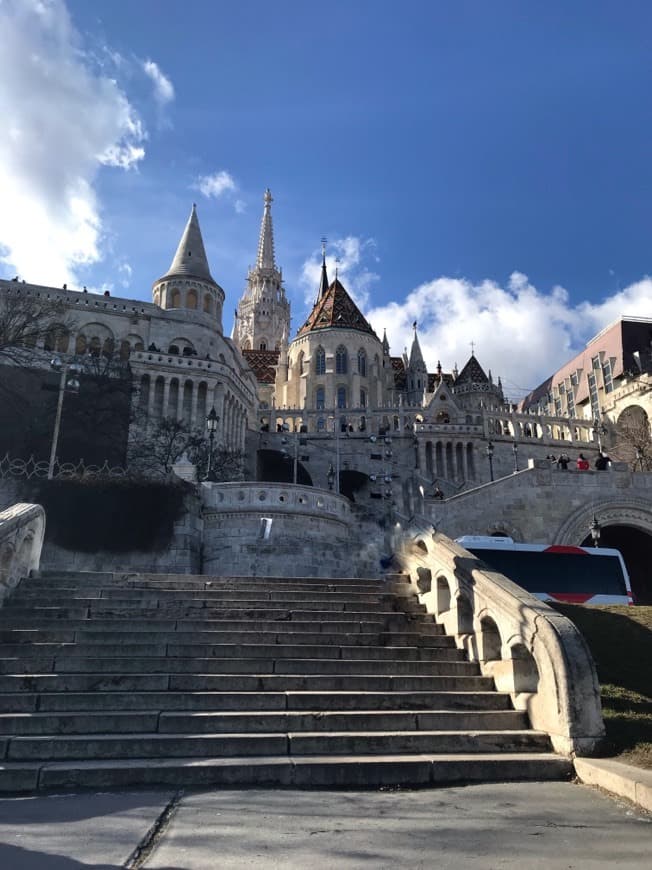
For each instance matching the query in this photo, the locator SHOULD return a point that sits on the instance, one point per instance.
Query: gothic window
(300, 363)
(320, 398)
(340, 361)
(363, 398)
(321, 424)
(263, 345)
(341, 397)
(207, 303)
(191, 300)
(125, 350)
(320, 361)
(362, 363)
(95, 346)
(175, 297)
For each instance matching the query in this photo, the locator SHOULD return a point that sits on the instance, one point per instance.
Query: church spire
(190, 258)
(416, 357)
(323, 282)
(265, 259)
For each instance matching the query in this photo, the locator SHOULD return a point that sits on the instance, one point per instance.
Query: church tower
(417, 373)
(263, 314)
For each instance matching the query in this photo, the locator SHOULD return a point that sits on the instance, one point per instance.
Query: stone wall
(545, 505)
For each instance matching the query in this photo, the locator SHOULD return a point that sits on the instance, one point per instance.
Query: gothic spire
(385, 343)
(190, 258)
(265, 259)
(323, 282)
(416, 357)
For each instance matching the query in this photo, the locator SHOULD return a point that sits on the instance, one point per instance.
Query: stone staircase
(114, 680)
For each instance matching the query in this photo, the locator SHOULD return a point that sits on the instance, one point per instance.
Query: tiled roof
(472, 373)
(262, 363)
(434, 380)
(335, 309)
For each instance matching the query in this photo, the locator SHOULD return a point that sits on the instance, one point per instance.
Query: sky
(481, 168)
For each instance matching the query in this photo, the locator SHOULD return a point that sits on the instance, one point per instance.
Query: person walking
(582, 463)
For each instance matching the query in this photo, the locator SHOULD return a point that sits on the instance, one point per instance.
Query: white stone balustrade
(532, 652)
(262, 498)
(22, 528)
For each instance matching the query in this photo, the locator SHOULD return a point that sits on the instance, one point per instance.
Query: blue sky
(446, 150)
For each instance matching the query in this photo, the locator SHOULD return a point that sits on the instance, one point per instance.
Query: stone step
(47, 576)
(109, 746)
(353, 771)
(246, 682)
(204, 598)
(64, 701)
(15, 644)
(157, 665)
(396, 623)
(199, 586)
(147, 720)
(282, 649)
(13, 616)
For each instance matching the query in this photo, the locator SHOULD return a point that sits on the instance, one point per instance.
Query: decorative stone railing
(532, 652)
(288, 498)
(21, 538)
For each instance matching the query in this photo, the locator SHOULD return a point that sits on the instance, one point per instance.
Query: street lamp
(330, 477)
(65, 386)
(596, 531)
(599, 429)
(490, 457)
(515, 451)
(212, 420)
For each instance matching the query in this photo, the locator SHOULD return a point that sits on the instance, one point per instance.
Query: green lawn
(620, 639)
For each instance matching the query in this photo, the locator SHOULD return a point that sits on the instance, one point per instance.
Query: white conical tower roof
(190, 258)
(265, 259)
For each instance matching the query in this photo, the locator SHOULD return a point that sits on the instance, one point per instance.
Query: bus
(575, 575)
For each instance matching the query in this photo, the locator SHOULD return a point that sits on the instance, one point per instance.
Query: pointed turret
(190, 259)
(265, 259)
(417, 373)
(323, 281)
(416, 357)
(385, 343)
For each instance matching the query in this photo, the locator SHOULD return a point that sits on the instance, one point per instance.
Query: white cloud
(240, 206)
(521, 333)
(163, 87)
(63, 121)
(216, 185)
(347, 255)
(125, 272)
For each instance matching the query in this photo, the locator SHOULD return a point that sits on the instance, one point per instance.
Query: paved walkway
(556, 826)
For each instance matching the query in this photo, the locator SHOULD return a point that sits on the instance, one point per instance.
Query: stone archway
(626, 526)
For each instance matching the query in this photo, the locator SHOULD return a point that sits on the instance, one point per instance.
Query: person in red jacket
(582, 463)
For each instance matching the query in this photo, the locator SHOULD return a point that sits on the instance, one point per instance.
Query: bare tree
(156, 448)
(633, 439)
(26, 316)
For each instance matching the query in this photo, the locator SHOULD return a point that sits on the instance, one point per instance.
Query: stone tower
(263, 315)
(188, 282)
(417, 373)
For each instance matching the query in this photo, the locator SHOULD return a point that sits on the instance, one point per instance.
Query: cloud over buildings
(63, 121)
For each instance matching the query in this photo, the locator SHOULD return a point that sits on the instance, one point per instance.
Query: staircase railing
(22, 527)
(531, 651)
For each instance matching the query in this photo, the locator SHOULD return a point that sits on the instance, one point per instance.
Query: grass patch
(620, 640)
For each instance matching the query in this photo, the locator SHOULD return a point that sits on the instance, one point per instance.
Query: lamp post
(212, 420)
(65, 386)
(490, 457)
(599, 429)
(596, 531)
(330, 477)
(515, 452)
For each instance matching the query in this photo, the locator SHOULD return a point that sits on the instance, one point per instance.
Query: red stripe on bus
(572, 597)
(559, 548)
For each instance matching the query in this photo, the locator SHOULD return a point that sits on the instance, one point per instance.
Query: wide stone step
(11, 617)
(110, 746)
(205, 598)
(353, 771)
(137, 683)
(281, 649)
(49, 702)
(256, 721)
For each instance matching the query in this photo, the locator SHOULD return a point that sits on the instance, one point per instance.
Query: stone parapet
(532, 652)
(22, 528)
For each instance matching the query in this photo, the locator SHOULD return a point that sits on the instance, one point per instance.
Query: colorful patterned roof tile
(263, 364)
(335, 309)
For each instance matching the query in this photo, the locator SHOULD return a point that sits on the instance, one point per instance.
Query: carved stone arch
(634, 512)
(500, 529)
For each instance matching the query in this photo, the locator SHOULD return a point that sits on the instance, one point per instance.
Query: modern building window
(362, 363)
(607, 376)
(593, 393)
(320, 361)
(320, 398)
(341, 397)
(341, 360)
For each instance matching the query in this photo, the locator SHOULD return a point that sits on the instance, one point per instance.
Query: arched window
(341, 397)
(321, 424)
(191, 299)
(340, 360)
(362, 363)
(300, 362)
(175, 298)
(263, 345)
(95, 346)
(125, 350)
(320, 398)
(207, 303)
(320, 361)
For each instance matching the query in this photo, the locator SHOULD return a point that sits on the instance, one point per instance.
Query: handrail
(531, 651)
(22, 528)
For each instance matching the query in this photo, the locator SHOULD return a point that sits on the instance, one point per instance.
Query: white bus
(575, 575)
